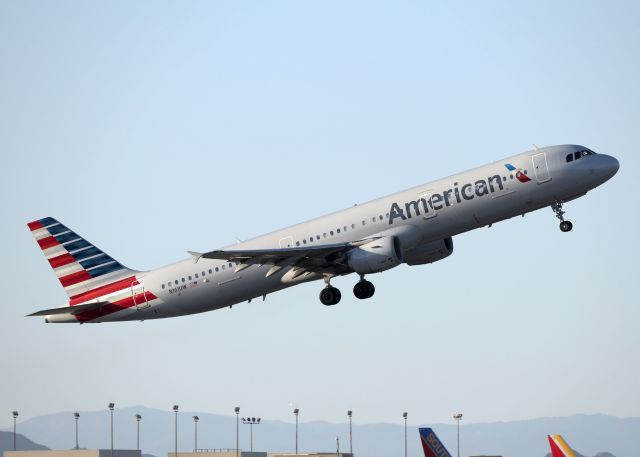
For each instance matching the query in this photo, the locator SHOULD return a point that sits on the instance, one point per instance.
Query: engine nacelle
(376, 256)
(429, 252)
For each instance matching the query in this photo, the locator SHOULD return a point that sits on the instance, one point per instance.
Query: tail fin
(559, 447)
(78, 264)
(432, 446)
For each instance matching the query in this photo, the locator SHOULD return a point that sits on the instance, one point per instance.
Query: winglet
(195, 255)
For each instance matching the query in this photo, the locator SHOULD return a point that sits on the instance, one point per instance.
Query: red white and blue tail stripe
(431, 444)
(79, 265)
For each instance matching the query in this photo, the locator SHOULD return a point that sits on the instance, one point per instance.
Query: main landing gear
(565, 226)
(330, 295)
(363, 289)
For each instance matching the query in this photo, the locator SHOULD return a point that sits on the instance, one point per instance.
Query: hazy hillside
(22, 443)
(588, 434)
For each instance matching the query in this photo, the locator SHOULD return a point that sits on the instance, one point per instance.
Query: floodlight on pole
(138, 419)
(195, 426)
(175, 410)
(237, 411)
(350, 413)
(76, 416)
(296, 411)
(404, 416)
(15, 417)
(111, 407)
(458, 418)
(251, 421)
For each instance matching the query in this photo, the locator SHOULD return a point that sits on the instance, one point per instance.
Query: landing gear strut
(565, 226)
(363, 289)
(330, 295)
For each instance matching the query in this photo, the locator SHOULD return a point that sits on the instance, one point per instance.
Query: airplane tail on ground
(559, 447)
(78, 264)
(432, 446)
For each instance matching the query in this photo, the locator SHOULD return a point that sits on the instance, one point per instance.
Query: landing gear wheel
(566, 226)
(364, 289)
(330, 296)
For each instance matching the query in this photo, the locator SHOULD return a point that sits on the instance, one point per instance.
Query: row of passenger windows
(197, 275)
(579, 154)
(338, 231)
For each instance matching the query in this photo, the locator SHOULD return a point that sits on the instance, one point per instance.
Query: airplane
(414, 227)
(431, 444)
(559, 447)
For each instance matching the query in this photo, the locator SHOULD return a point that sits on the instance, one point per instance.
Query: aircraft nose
(610, 166)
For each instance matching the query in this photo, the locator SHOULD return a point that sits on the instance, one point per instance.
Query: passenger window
(203, 274)
(169, 283)
(189, 278)
(223, 267)
(217, 269)
(163, 286)
(230, 265)
(304, 241)
(380, 217)
(297, 243)
(317, 237)
(569, 158)
(176, 282)
(324, 235)
(345, 228)
(331, 232)
(311, 240)
(183, 280)
(338, 230)
(363, 223)
(373, 219)
(196, 275)
(210, 272)
(353, 226)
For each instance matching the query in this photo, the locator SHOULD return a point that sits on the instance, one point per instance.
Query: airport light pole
(404, 416)
(296, 412)
(76, 416)
(15, 417)
(195, 426)
(251, 421)
(138, 419)
(350, 413)
(175, 410)
(111, 406)
(458, 418)
(237, 411)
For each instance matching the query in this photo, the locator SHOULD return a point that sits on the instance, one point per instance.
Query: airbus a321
(414, 226)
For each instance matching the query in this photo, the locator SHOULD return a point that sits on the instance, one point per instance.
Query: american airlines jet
(414, 226)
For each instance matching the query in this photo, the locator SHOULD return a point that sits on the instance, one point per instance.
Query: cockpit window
(579, 154)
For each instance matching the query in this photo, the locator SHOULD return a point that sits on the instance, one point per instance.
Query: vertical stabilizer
(559, 447)
(432, 445)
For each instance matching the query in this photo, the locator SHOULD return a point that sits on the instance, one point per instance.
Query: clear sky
(153, 128)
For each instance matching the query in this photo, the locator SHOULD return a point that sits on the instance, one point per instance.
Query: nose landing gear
(565, 226)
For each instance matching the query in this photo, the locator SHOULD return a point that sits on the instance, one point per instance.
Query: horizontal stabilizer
(71, 309)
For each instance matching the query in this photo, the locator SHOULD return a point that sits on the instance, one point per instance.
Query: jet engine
(376, 256)
(429, 252)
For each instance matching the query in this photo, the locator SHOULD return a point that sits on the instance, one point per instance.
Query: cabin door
(540, 167)
(138, 295)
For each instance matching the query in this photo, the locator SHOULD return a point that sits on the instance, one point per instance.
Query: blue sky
(153, 128)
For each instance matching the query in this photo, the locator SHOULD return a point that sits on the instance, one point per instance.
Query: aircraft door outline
(540, 167)
(137, 288)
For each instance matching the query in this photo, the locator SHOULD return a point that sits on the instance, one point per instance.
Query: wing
(70, 309)
(330, 258)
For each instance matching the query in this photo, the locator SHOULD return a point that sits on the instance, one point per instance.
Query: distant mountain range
(590, 434)
(22, 442)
